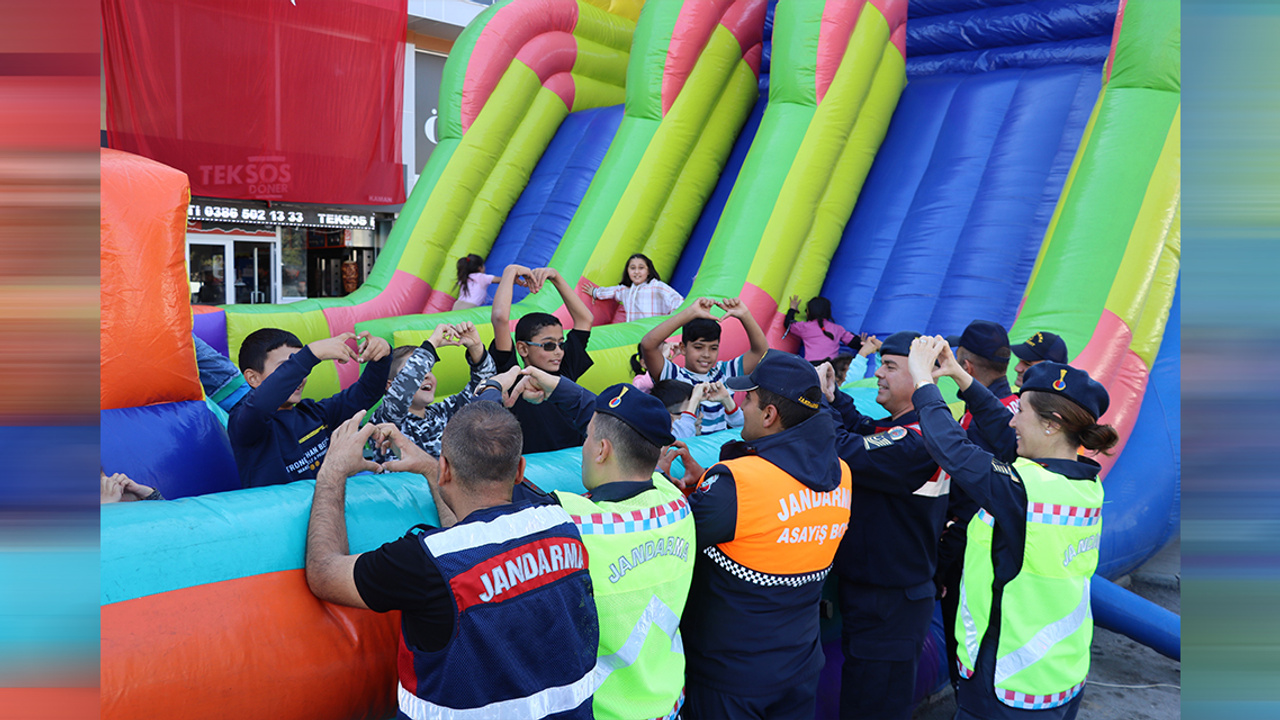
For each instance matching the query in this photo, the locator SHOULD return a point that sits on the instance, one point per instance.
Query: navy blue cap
(898, 343)
(1042, 346)
(986, 339)
(641, 412)
(782, 373)
(1071, 383)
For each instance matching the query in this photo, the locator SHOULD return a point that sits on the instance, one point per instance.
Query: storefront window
(293, 262)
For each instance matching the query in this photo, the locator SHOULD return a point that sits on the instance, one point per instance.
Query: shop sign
(296, 216)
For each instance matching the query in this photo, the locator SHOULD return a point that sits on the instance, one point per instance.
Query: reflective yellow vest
(1046, 625)
(640, 554)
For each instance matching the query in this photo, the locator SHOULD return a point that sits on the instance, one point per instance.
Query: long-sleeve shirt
(274, 446)
(425, 431)
(813, 333)
(649, 299)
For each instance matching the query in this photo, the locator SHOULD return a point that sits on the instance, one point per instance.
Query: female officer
(1024, 625)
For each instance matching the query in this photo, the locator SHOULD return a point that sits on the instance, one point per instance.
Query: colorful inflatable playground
(921, 164)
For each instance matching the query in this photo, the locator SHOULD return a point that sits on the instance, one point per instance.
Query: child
(540, 341)
(276, 436)
(821, 336)
(700, 344)
(642, 381)
(412, 389)
(682, 400)
(855, 365)
(642, 293)
(472, 282)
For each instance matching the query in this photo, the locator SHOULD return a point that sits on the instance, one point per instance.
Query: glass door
(257, 273)
(207, 265)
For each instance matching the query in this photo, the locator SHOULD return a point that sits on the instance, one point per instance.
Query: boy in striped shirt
(700, 345)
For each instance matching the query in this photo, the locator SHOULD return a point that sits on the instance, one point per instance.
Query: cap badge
(618, 400)
(1060, 384)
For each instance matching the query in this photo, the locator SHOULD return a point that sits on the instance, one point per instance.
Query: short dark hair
(399, 357)
(530, 324)
(988, 368)
(673, 393)
(700, 329)
(255, 348)
(839, 363)
(790, 412)
(482, 443)
(653, 272)
(636, 455)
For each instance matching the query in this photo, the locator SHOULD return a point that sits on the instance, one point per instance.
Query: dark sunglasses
(550, 345)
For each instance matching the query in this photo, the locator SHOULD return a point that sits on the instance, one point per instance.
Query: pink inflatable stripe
(507, 33)
(838, 20)
(1115, 38)
(697, 20)
(765, 310)
(551, 56)
(438, 301)
(404, 295)
(1108, 359)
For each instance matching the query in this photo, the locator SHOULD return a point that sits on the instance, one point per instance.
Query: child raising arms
(642, 293)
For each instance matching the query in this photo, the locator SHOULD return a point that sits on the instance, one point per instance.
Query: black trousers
(882, 636)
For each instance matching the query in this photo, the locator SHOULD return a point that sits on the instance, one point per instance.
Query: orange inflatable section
(157, 650)
(147, 355)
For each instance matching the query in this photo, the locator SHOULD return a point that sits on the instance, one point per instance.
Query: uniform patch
(897, 433)
(706, 483)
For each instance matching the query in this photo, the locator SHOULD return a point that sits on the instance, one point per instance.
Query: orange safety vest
(784, 527)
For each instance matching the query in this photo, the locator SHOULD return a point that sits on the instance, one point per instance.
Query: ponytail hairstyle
(637, 362)
(653, 272)
(819, 308)
(466, 266)
(1081, 428)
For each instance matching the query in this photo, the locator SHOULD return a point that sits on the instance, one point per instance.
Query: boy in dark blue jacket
(278, 437)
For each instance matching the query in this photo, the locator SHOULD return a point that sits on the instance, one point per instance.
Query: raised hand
(924, 353)
(692, 470)
(795, 302)
(411, 458)
(588, 288)
(443, 335)
(542, 275)
(345, 456)
(870, 344)
(827, 376)
(467, 334)
(716, 392)
(695, 399)
(335, 348)
(524, 277)
(702, 309)
(372, 347)
(733, 307)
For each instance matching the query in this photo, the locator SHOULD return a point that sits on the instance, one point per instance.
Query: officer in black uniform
(887, 559)
(1039, 347)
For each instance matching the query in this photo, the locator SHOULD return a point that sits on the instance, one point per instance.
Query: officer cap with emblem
(985, 339)
(1071, 383)
(1042, 346)
(898, 343)
(641, 412)
(784, 374)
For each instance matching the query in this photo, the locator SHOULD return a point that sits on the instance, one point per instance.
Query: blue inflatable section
(178, 448)
(1144, 489)
(958, 200)
(212, 328)
(696, 247)
(538, 220)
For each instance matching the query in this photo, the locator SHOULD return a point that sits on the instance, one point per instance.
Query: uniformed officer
(1025, 626)
(983, 351)
(887, 560)
(497, 616)
(640, 539)
(769, 517)
(1039, 347)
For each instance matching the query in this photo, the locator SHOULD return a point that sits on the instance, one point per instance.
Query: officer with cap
(1039, 347)
(886, 563)
(640, 540)
(770, 515)
(1026, 628)
(983, 351)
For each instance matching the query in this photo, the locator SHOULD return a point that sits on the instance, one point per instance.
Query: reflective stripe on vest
(784, 528)
(539, 705)
(498, 530)
(742, 572)
(656, 613)
(1042, 655)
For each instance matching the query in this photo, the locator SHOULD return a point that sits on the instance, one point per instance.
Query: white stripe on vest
(539, 705)
(1042, 642)
(498, 530)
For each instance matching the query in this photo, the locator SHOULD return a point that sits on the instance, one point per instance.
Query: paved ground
(1122, 671)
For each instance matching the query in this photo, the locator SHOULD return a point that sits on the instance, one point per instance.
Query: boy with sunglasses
(541, 342)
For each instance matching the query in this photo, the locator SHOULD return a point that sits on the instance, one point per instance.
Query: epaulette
(1005, 469)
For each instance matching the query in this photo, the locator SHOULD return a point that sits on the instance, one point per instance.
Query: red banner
(296, 100)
